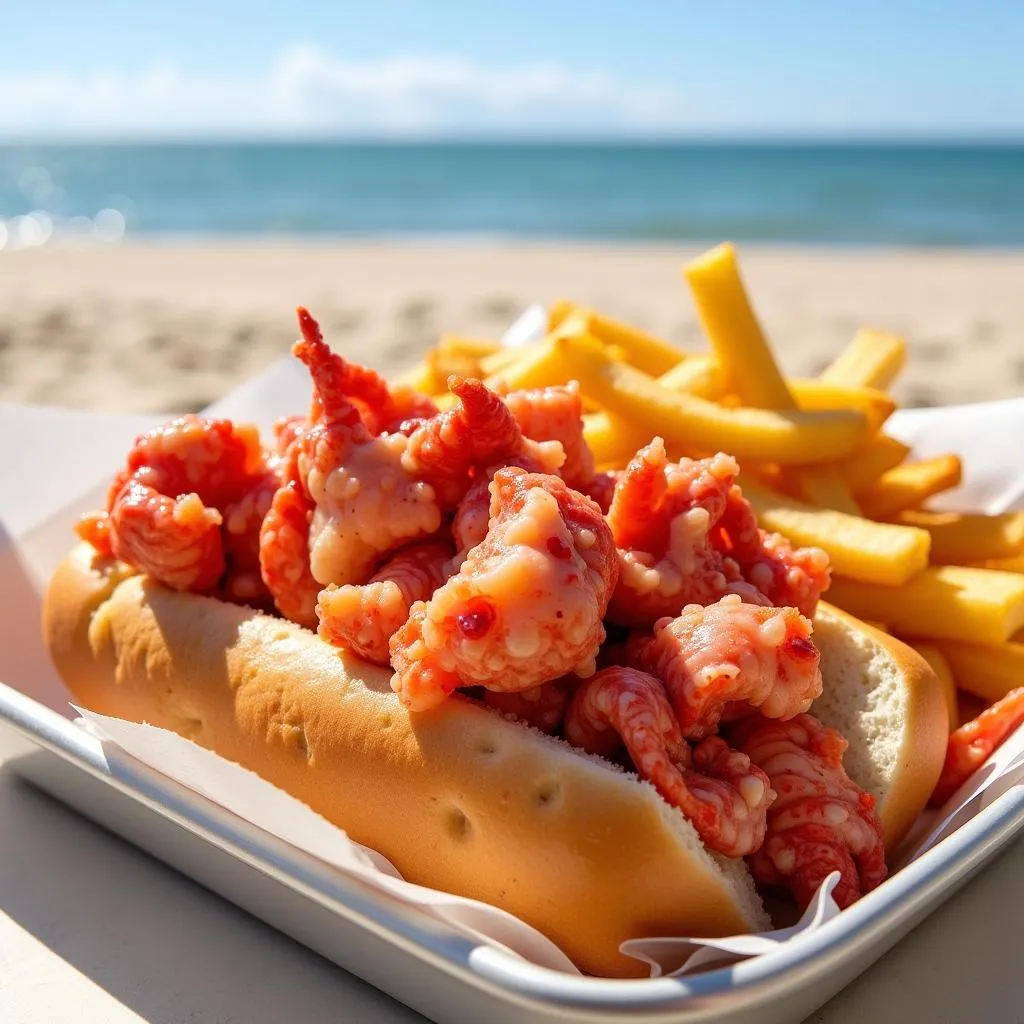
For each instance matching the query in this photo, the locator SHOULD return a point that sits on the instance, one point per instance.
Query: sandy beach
(148, 327)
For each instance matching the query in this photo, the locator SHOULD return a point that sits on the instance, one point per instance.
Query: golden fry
(747, 362)
(685, 420)
(458, 346)
(733, 331)
(1014, 564)
(504, 357)
(540, 366)
(696, 375)
(613, 441)
(875, 553)
(987, 672)
(948, 602)
(423, 377)
(559, 310)
(907, 486)
(642, 350)
(967, 538)
(873, 359)
(824, 487)
(876, 405)
(871, 460)
(944, 674)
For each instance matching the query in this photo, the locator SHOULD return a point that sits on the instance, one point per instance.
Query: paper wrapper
(35, 533)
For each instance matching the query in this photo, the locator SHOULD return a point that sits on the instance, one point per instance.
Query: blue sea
(888, 195)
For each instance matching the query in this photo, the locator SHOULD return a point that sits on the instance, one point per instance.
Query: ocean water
(830, 195)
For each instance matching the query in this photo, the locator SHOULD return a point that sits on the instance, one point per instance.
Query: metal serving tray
(406, 954)
(426, 966)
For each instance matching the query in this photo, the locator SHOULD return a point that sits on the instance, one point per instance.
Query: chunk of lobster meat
(717, 789)
(365, 506)
(556, 414)
(768, 561)
(543, 707)
(165, 507)
(662, 516)
(284, 555)
(711, 658)
(601, 488)
(288, 430)
(176, 541)
(94, 529)
(525, 608)
(363, 388)
(410, 407)
(821, 821)
(469, 527)
(479, 430)
(363, 618)
(975, 741)
(243, 522)
(213, 458)
(365, 501)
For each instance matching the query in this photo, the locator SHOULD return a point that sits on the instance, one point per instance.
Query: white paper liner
(984, 435)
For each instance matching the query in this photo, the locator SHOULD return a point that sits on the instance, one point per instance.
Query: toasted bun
(888, 703)
(459, 798)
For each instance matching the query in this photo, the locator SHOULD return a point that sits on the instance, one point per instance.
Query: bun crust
(459, 799)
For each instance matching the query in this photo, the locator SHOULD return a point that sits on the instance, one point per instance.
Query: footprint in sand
(983, 332)
(934, 351)
(416, 312)
(501, 308)
(344, 321)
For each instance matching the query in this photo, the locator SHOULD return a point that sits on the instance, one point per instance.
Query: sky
(535, 68)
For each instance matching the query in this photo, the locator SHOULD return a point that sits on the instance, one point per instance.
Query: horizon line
(782, 138)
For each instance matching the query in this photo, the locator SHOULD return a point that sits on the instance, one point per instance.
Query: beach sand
(168, 328)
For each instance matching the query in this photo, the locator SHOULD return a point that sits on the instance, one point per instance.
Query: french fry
(461, 347)
(944, 674)
(872, 359)
(422, 377)
(560, 309)
(613, 440)
(909, 485)
(541, 366)
(745, 357)
(696, 375)
(987, 672)
(494, 364)
(865, 551)
(643, 350)
(967, 538)
(1015, 564)
(616, 441)
(947, 602)
(733, 331)
(759, 434)
(876, 405)
(871, 460)
(824, 487)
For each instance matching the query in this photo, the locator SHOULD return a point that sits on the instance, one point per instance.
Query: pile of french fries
(817, 464)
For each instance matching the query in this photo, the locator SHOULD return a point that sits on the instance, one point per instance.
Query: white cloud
(307, 91)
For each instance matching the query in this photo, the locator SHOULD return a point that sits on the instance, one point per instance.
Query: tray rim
(914, 891)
